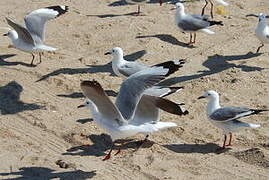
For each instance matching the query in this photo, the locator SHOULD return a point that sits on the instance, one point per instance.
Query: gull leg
(194, 38)
(39, 58)
(190, 42)
(142, 142)
(138, 10)
(203, 10)
(211, 9)
(161, 2)
(230, 141)
(32, 59)
(109, 154)
(224, 143)
(259, 48)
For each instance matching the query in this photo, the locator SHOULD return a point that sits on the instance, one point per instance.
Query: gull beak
(174, 8)
(201, 97)
(80, 106)
(107, 53)
(5, 34)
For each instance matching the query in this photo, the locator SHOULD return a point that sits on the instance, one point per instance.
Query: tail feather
(257, 111)
(216, 23)
(243, 124)
(173, 66)
(222, 2)
(163, 125)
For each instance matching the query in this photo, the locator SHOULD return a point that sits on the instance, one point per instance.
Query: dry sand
(40, 123)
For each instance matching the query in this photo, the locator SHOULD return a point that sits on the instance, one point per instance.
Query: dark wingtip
(60, 9)
(257, 111)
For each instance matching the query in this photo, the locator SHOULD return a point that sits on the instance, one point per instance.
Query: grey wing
(191, 23)
(35, 21)
(130, 68)
(230, 113)
(134, 86)
(23, 33)
(93, 91)
(267, 36)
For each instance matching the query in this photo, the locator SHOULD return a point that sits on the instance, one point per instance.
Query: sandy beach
(44, 136)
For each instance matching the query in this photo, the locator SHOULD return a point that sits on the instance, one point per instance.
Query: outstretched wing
(35, 21)
(23, 33)
(134, 86)
(94, 91)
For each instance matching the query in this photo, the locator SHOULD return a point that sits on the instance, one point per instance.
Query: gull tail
(216, 23)
(173, 66)
(151, 127)
(222, 2)
(46, 48)
(164, 125)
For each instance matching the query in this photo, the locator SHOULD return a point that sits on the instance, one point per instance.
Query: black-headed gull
(193, 23)
(262, 31)
(133, 112)
(31, 39)
(226, 118)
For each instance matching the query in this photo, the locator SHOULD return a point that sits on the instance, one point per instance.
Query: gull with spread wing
(226, 118)
(31, 38)
(133, 113)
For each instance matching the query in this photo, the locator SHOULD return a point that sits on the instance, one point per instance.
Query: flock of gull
(140, 98)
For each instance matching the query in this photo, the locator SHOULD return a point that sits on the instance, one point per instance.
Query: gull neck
(213, 105)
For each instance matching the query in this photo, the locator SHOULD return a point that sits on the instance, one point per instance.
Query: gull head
(179, 7)
(87, 103)
(115, 52)
(11, 34)
(210, 95)
(262, 16)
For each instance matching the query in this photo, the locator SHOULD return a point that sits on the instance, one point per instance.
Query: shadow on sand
(10, 102)
(43, 173)
(196, 148)
(102, 143)
(215, 64)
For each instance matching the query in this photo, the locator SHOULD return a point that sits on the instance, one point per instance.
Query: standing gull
(124, 68)
(31, 38)
(211, 8)
(133, 112)
(193, 23)
(225, 118)
(262, 31)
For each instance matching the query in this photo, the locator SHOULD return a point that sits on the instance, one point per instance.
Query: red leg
(190, 42)
(161, 2)
(230, 141)
(109, 154)
(194, 38)
(224, 143)
(119, 150)
(142, 142)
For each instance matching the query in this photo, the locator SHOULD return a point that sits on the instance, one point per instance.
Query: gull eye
(87, 102)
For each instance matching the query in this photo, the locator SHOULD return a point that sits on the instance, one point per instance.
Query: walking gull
(124, 68)
(31, 38)
(193, 22)
(225, 118)
(211, 8)
(133, 112)
(262, 31)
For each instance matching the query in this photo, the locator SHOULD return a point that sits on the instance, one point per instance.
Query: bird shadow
(34, 173)
(84, 121)
(196, 148)
(132, 2)
(167, 38)
(111, 15)
(80, 95)
(215, 64)
(105, 68)
(10, 102)
(6, 63)
(102, 143)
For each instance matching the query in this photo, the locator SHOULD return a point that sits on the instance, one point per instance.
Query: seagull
(193, 22)
(31, 38)
(133, 113)
(226, 118)
(211, 3)
(139, 7)
(124, 68)
(262, 31)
